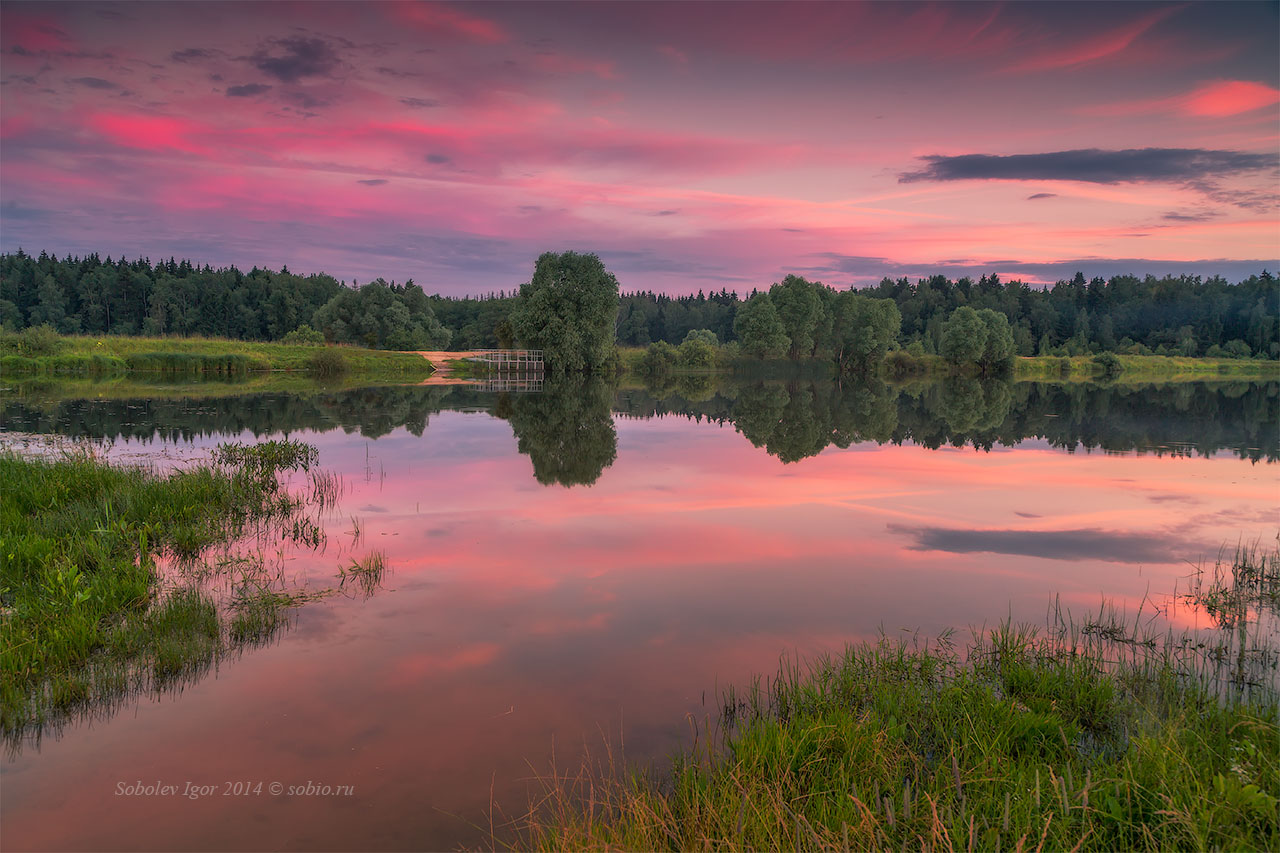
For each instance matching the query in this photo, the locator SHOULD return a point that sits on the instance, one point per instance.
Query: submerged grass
(367, 574)
(1058, 739)
(105, 589)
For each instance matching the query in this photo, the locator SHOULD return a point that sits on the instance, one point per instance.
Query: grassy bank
(1145, 368)
(29, 353)
(105, 589)
(1086, 737)
(899, 364)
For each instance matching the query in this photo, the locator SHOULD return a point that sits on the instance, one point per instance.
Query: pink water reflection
(521, 619)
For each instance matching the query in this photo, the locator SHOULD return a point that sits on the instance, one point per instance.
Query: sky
(690, 145)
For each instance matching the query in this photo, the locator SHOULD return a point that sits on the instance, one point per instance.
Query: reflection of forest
(568, 433)
(793, 420)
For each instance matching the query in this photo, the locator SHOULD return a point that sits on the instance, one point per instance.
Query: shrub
(39, 340)
(696, 353)
(304, 335)
(328, 362)
(702, 334)
(1110, 365)
(1236, 349)
(658, 359)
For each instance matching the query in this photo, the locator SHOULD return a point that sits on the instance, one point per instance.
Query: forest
(1172, 315)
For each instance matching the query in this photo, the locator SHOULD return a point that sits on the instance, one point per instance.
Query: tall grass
(1026, 739)
(108, 574)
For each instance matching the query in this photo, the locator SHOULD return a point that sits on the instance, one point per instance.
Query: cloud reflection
(1080, 544)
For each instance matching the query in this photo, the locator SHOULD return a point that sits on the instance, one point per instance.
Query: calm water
(583, 564)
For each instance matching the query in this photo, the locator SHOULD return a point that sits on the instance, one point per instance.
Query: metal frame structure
(507, 361)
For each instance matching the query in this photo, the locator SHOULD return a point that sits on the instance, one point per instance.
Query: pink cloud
(1229, 97)
(34, 33)
(1108, 45)
(150, 133)
(437, 17)
(1219, 99)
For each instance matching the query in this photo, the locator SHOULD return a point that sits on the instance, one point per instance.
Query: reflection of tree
(758, 410)
(567, 430)
(799, 420)
(864, 411)
(971, 406)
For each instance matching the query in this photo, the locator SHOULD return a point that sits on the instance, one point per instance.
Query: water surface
(588, 563)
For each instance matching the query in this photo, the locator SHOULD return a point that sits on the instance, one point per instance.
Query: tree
(382, 316)
(799, 307)
(759, 329)
(51, 309)
(998, 350)
(862, 330)
(964, 337)
(568, 310)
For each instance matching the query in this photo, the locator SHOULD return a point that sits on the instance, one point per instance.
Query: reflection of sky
(518, 616)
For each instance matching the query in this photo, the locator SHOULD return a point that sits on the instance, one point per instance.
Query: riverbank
(28, 354)
(1089, 736)
(1144, 368)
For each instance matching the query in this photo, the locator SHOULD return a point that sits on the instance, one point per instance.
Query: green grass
(111, 355)
(1076, 738)
(104, 591)
(898, 364)
(1137, 368)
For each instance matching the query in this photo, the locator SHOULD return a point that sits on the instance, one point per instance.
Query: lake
(580, 565)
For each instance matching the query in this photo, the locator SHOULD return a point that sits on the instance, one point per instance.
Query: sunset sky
(689, 145)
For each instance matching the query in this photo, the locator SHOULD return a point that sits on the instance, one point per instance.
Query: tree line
(794, 318)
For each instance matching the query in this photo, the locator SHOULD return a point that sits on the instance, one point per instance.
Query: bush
(702, 334)
(304, 335)
(1110, 365)
(39, 340)
(1236, 349)
(328, 362)
(658, 359)
(696, 353)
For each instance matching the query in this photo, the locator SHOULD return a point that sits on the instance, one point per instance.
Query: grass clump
(366, 574)
(1026, 739)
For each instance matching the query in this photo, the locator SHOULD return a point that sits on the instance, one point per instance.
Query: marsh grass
(117, 582)
(1100, 736)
